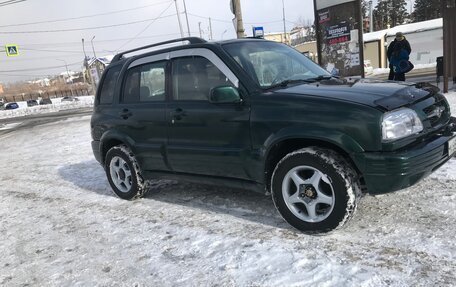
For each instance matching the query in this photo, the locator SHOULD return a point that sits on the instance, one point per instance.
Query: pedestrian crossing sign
(11, 50)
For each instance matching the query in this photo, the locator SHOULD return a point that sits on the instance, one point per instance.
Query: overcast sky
(42, 49)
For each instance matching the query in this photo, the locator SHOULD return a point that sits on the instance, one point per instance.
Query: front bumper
(385, 172)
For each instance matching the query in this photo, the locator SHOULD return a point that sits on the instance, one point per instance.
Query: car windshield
(271, 64)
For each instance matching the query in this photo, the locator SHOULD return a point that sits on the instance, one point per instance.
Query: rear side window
(145, 83)
(109, 84)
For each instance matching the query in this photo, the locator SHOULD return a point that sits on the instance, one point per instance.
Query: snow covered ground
(57, 105)
(61, 226)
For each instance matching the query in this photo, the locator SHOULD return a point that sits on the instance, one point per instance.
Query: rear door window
(109, 84)
(145, 83)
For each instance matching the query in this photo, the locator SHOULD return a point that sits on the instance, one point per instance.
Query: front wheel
(124, 174)
(315, 190)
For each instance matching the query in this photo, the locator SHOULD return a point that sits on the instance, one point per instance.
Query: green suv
(259, 115)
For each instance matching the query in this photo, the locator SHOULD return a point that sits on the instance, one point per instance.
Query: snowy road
(60, 225)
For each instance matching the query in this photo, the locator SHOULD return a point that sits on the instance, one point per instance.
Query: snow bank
(416, 27)
(406, 29)
(418, 67)
(57, 105)
(373, 36)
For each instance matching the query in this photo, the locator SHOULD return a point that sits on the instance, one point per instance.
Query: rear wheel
(124, 174)
(315, 190)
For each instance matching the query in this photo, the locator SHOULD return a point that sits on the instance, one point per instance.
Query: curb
(418, 72)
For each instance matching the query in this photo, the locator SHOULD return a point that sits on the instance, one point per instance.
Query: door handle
(125, 114)
(178, 114)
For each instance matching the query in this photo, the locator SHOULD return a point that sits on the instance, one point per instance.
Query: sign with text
(11, 50)
(323, 17)
(258, 32)
(339, 36)
(338, 33)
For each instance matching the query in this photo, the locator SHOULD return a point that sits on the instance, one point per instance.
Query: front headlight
(400, 124)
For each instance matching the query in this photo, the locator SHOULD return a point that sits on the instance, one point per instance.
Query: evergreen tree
(365, 15)
(364, 8)
(390, 12)
(427, 10)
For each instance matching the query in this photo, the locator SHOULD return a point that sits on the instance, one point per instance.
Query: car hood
(386, 95)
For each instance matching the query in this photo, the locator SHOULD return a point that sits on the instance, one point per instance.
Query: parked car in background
(45, 102)
(11, 106)
(70, 99)
(31, 103)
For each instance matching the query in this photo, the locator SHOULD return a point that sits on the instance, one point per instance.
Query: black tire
(128, 182)
(315, 209)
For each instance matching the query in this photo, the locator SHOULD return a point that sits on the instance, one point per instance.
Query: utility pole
(96, 64)
(236, 9)
(210, 29)
(199, 27)
(186, 17)
(178, 19)
(85, 60)
(284, 26)
(86, 65)
(66, 66)
(68, 75)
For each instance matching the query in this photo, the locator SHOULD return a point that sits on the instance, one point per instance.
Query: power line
(228, 21)
(40, 58)
(11, 2)
(23, 75)
(99, 41)
(7, 1)
(42, 68)
(86, 28)
(269, 22)
(291, 22)
(53, 51)
(213, 19)
(83, 17)
(145, 28)
(24, 47)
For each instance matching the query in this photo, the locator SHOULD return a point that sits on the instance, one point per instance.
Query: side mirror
(225, 95)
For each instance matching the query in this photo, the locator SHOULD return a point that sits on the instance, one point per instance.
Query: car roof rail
(191, 40)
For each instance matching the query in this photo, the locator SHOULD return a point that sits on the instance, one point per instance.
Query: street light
(93, 49)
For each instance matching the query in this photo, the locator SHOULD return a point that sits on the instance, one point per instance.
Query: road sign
(11, 50)
(258, 32)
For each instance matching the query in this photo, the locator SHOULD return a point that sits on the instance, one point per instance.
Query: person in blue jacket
(398, 54)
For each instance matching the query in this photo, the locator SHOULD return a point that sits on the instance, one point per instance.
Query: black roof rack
(191, 40)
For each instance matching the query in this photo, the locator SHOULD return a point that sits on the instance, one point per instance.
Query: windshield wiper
(285, 83)
(319, 78)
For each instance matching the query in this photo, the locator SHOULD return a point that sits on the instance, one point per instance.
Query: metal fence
(46, 95)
